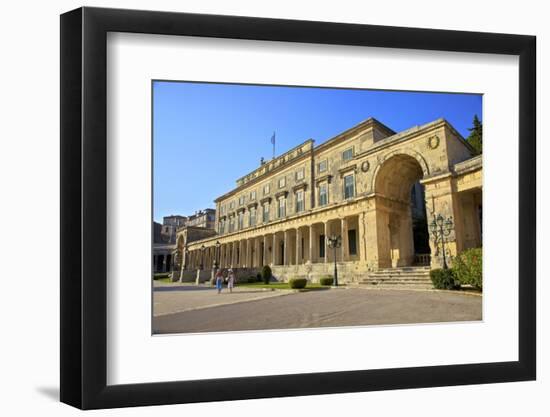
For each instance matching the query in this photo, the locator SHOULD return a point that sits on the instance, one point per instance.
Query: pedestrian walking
(231, 280)
(219, 281)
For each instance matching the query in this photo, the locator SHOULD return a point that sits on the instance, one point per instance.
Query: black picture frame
(84, 207)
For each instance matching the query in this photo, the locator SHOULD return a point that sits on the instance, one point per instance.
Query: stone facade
(176, 231)
(203, 218)
(375, 188)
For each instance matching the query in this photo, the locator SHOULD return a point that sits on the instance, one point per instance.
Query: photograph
(275, 209)
(282, 207)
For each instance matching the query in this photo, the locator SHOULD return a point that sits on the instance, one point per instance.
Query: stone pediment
(302, 186)
(347, 169)
(326, 177)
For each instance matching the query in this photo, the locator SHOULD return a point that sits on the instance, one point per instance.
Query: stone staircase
(414, 277)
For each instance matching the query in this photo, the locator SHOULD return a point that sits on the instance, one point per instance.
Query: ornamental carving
(365, 166)
(433, 142)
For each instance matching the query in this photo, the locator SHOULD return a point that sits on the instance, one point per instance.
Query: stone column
(249, 260)
(360, 237)
(345, 240)
(274, 250)
(377, 235)
(252, 242)
(326, 241)
(311, 241)
(298, 246)
(443, 200)
(286, 251)
(266, 251)
(258, 248)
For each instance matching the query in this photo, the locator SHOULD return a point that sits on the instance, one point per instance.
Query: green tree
(475, 138)
(266, 274)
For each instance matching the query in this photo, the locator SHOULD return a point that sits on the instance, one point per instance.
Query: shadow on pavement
(184, 288)
(190, 288)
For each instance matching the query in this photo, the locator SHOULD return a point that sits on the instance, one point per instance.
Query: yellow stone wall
(384, 165)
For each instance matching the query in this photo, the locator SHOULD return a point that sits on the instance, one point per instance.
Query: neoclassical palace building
(377, 189)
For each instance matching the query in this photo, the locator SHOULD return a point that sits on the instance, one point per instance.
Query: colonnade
(292, 246)
(162, 262)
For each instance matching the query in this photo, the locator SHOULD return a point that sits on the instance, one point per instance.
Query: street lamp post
(335, 242)
(198, 278)
(185, 258)
(441, 228)
(201, 266)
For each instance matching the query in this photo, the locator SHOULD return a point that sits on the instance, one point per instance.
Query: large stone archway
(392, 184)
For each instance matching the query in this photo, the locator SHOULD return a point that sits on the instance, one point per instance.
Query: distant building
(203, 218)
(169, 227)
(165, 234)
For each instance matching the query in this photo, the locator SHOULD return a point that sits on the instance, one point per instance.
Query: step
(399, 286)
(395, 281)
(426, 277)
(406, 277)
(399, 275)
(404, 269)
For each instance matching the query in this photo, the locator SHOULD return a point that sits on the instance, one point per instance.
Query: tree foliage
(444, 279)
(475, 138)
(266, 274)
(468, 267)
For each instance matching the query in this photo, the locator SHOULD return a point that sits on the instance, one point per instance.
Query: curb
(471, 293)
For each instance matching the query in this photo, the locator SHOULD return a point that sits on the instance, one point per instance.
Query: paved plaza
(187, 309)
(177, 298)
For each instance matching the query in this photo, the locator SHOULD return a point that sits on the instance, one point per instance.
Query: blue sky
(205, 136)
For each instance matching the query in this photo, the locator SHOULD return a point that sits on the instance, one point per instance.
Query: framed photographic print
(258, 207)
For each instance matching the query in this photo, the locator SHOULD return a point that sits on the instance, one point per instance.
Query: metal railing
(422, 259)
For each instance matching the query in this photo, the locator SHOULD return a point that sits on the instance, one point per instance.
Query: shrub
(252, 279)
(259, 277)
(444, 279)
(161, 275)
(326, 280)
(467, 267)
(266, 274)
(297, 283)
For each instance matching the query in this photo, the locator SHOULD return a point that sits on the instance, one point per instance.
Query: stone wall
(348, 272)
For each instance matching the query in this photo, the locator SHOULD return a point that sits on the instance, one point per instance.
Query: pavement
(325, 308)
(170, 298)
